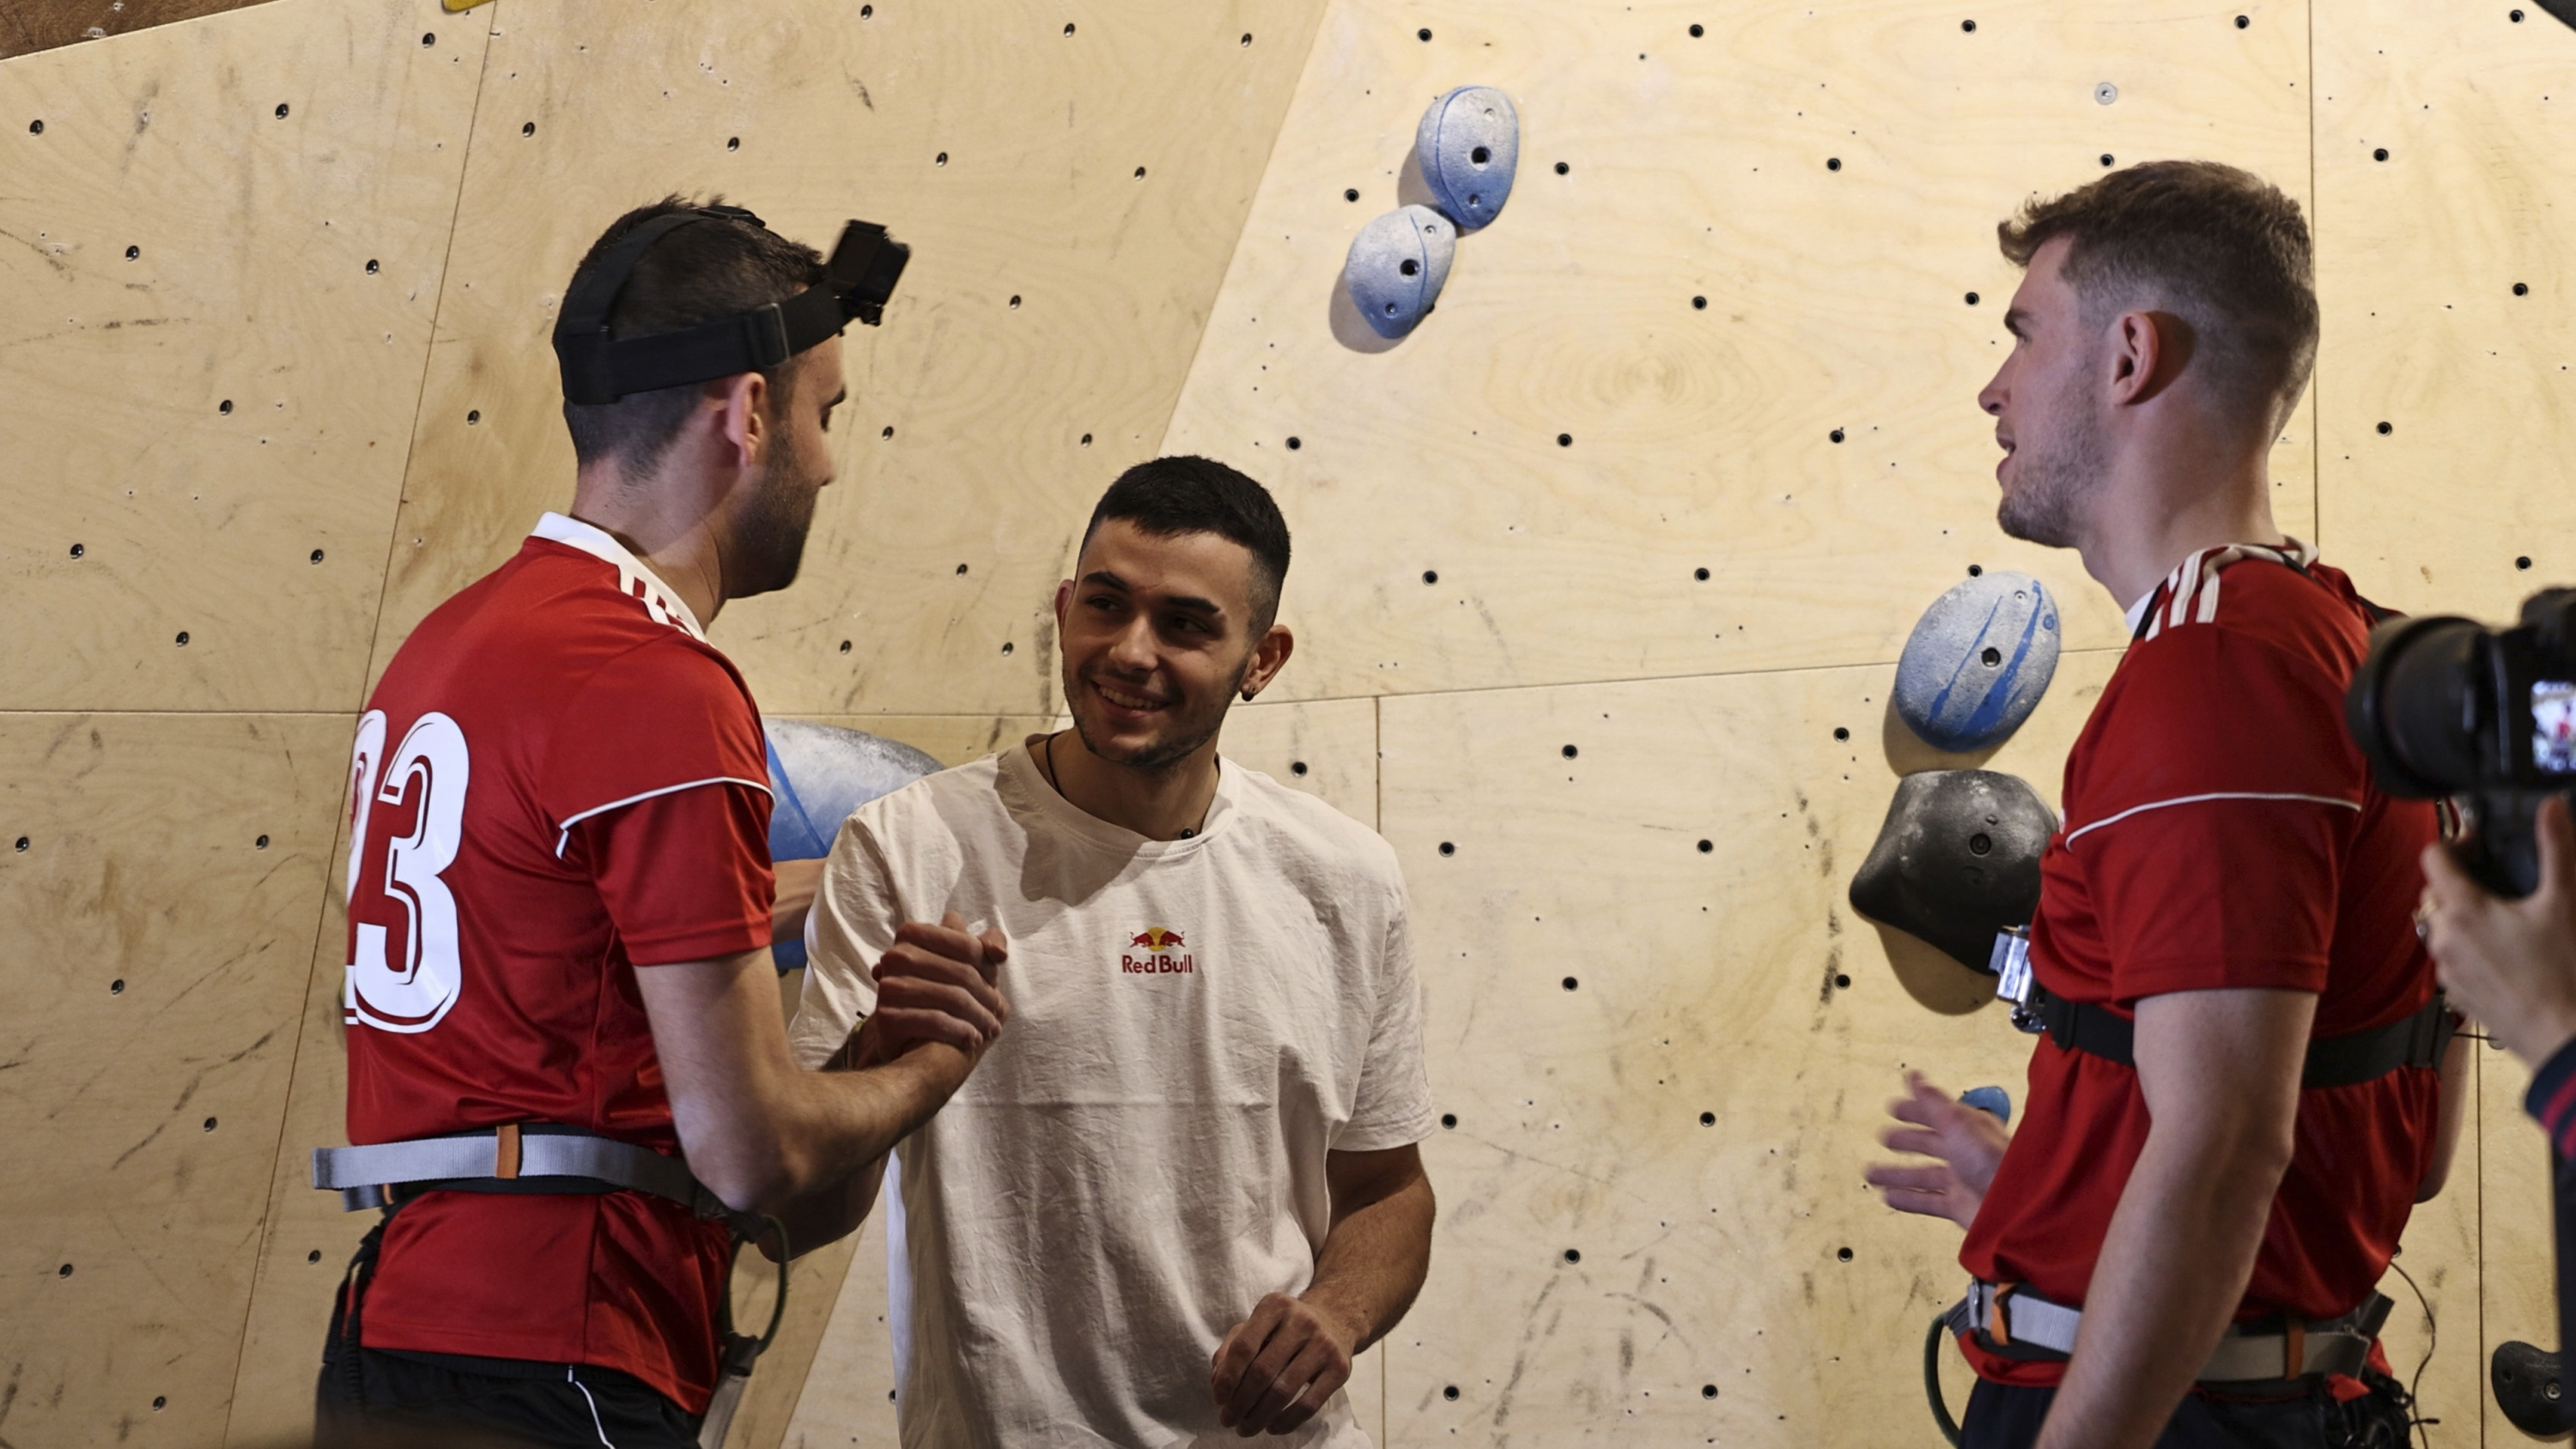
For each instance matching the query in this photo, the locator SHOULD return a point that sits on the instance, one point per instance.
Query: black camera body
(2446, 707)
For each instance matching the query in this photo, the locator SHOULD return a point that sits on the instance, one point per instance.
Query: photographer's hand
(2510, 964)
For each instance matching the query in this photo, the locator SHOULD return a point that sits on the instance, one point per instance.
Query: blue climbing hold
(1468, 145)
(818, 775)
(1989, 1099)
(1978, 661)
(1397, 265)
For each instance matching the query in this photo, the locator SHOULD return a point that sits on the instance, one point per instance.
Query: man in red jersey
(561, 897)
(2237, 1105)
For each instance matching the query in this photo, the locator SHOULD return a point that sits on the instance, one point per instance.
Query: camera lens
(2417, 706)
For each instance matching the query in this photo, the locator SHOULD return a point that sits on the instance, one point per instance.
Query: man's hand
(1281, 1365)
(1967, 1144)
(936, 983)
(2510, 964)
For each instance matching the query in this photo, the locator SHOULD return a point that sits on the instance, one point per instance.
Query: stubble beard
(1180, 740)
(2050, 484)
(770, 534)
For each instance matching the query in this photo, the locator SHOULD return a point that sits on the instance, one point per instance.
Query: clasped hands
(936, 984)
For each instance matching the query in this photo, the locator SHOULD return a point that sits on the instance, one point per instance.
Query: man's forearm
(829, 1213)
(852, 1119)
(1374, 1261)
(2172, 1271)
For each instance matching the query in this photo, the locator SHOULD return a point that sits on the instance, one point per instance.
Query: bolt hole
(939, 160)
(78, 550)
(210, 1124)
(1976, 570)
(1709, 1391)
(1350, 193)
(1015, 301)
(1991, 657)
(1480, 155)
(1981, 844)
(1449, 1392)
(1431, 576)
(35, 128)
(2386, 428)
(281, 110)
(1969, 26)
(2522, 289)
(133, 252)
(1697, 31)
(1294, 443)
(1571, 983)
(961, 569)
(1390, 309)
(1574, 1255)
(1562, 168)
(1841, 733)
(116, 987)
(2244, 21)
(1565, 440)
(1140, 173)
(313, 1257)
(1446, 847)
(1068, 27)
(64, 1271)
(845, 646)
(886, 432)
(2379, 154)
(2523, 562)
(1569, 752)
(1837, 435)
(1708, 1119)
(1006, 646)
(1700, 574)
(733, 143)
(1972, 299)
(473, 416)
(1841, 982)
(1845, 1254)
(1833, 163)
(225, 407)
(1297, 768)
(1408, 266)
(260, 844)
(22, 842)
(317, 555)
(428, 38)
(162, 1401)
(528, 128)
(183, 638)
(2106, 158)
(1423, 35)
(373, 266)
(1086, 440)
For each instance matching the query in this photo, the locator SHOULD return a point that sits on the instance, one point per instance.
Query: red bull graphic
(1158, 959)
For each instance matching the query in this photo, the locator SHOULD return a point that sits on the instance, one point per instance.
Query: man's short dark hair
(697, 273)
(2221, 248)
(1169, 497)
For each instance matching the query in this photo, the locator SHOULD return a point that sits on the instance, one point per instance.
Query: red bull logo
(1157, 959)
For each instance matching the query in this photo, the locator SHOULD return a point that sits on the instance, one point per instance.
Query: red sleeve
(659, 783)
(2220, 801)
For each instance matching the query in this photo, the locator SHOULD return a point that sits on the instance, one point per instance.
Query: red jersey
(557, 781)
(2222, 830)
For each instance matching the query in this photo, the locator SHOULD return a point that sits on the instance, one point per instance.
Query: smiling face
(1157, 638)
(2047, 408)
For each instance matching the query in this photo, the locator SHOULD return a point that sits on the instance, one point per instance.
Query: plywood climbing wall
(1601, 575)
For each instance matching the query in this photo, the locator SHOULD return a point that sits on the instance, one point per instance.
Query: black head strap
(598, 369)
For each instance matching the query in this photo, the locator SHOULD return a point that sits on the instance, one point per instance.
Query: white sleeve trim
(564, 838)
(2072, 835)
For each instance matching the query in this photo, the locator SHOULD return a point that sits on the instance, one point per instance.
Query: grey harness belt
(2016, 1323)
(545, 1157)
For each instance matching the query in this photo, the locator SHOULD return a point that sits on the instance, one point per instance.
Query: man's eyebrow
(1191, 602)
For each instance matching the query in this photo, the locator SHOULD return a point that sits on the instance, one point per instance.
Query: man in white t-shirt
(1184, 1189)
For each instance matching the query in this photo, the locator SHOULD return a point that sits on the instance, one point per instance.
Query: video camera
(2446, 707)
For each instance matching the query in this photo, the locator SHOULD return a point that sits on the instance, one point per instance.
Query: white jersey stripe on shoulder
(2073, 835)
(564, 836)
(2187, 581)
(2208, 610)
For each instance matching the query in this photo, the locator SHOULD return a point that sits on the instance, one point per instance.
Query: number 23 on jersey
(407, 818)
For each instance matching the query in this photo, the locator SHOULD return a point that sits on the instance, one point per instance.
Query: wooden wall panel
(2462, 505)
(158, 888)
(1071, 178)
(221, 247)
(1695, 167)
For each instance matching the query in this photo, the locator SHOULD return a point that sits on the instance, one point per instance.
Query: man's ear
(741, 401)
(1063, 606)
(2147, 352)
(1268, 657)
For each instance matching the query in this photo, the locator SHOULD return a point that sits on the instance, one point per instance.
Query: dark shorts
(393, 1399)
(2001, 1416)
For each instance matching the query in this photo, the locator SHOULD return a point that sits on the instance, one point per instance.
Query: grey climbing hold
(1469, 144)
(1397, 266)
(1957, 860)
(1978, 661)
(818, 775)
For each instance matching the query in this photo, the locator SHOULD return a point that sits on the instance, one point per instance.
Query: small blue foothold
(1469, 146)
(1989, 1099)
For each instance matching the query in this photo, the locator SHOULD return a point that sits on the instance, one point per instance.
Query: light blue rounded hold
(1398, 264)
(818, 775)
(1994, 1100)
(1469, 145)
(1978, 661)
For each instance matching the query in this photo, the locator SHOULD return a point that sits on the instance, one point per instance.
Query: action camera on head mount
(2448, 707)
(596, 369)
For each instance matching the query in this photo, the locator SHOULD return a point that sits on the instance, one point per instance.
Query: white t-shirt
(1140, 1157)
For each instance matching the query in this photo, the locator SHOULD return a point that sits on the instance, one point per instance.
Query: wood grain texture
(1097, 164)
(1699, 439)
(158, 889)
(27, 26)
(2417, 259)
(221, 247)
